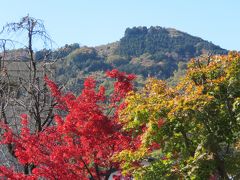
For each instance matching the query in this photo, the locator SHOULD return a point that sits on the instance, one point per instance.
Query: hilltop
(153, 51)
(147, 52)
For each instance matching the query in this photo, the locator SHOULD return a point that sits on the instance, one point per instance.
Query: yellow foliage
(201, 111)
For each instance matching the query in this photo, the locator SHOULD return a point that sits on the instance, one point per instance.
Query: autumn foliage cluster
(190, 131)
(79, 145)
(196, 124)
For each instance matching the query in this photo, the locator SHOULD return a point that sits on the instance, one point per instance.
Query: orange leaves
(182, 120)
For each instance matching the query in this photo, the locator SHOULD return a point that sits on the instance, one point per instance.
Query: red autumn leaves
(79, 145)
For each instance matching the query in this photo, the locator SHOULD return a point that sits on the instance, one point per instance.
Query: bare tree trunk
(34, 96)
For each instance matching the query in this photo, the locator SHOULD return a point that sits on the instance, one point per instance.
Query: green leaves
(199, 136)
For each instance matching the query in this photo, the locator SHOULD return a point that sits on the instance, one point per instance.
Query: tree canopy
(78, 145)
(191, 131)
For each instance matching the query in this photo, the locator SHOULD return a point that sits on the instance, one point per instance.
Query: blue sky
(95, 22)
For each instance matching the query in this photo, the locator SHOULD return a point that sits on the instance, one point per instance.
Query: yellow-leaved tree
(191, 131)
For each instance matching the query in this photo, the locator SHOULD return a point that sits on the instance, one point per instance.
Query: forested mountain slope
(154, 51)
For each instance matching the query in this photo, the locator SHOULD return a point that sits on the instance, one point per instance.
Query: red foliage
(81, 144)
(122, 86)
(160, 123)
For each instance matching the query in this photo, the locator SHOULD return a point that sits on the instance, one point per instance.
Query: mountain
(153, 51)
(156, 51)
(161, 42)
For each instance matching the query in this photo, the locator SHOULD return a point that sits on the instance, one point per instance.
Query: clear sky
(95, 22)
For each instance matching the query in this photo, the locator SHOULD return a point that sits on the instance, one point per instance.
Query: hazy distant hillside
(164, 42)
(153, 51)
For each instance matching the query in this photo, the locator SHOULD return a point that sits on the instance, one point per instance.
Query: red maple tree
(79, 145)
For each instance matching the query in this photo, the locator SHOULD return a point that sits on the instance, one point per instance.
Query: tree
(79, 145)
(190, 132)
(23, 90)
